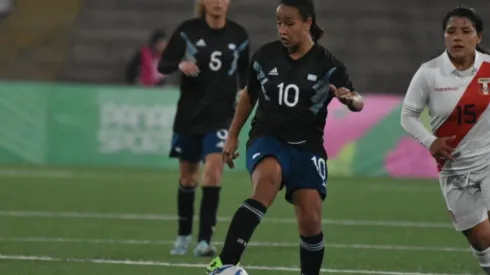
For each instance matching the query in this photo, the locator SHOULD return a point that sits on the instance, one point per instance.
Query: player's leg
(479, 239)
(212, 146)
(467, 200)
(308, 208)
(185, 150)
(265, 163)
(479, 236)
(307, 190)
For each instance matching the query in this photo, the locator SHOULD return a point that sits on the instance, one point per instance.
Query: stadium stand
(107, 32)
(34, 37)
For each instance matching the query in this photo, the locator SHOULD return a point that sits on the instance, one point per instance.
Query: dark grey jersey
(293, 95)
(207, 102)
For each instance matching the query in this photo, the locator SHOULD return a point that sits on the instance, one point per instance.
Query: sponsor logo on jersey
(446, 89)
(273, 72)
(201, 43)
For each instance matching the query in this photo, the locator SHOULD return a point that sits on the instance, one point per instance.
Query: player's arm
(343, 89)
(413, 104)
(173, 53)
(246, 103)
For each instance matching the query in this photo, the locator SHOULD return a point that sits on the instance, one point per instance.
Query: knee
(266, 191)
(188, 179)
(479, 236)
(309, 222)
(213, 172)
(480, 245)
(267, 178)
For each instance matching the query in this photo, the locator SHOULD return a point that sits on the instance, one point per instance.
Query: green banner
(23, 131)
(88, 125)
(104, 126)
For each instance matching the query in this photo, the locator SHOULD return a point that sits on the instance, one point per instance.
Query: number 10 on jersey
(288, 95)
(321, 167)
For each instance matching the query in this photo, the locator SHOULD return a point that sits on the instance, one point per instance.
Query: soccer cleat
(181, 245)
(203, 249)
(213, 265)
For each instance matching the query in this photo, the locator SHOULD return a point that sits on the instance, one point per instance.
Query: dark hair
(156, 36)
(306, 9)
(472, 15)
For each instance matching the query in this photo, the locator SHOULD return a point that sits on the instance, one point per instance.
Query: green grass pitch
(122, 222)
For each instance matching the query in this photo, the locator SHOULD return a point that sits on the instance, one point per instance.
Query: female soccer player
(455, 88)
(212, 53)
(293, 80)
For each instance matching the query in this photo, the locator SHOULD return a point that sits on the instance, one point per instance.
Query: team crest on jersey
(312, 77)
(484, 85)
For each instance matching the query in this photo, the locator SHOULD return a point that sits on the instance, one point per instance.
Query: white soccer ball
(229, 270)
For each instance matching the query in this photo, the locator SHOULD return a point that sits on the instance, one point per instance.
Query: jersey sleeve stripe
(260, 72)
(261, 78)
(322, 91)
(191, 50)
(236, 55)
(243, 45)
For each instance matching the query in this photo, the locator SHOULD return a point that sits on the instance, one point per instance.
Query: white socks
(483, 257)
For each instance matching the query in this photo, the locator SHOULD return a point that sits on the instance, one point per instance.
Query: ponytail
(199, 9)
(482, 50)
(316, 31)
(306, 9)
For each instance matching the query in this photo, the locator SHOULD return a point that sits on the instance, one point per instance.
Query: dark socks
(185, 204)
(311, 254)
(208, 212)
(243, 224)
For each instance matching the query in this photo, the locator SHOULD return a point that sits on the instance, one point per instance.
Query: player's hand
(189, 68)
(343, 94)
(229, 151)
(440, 148)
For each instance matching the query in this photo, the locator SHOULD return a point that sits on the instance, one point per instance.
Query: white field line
(252, 244)
(188, 265)
(67, 174)
(163, 217)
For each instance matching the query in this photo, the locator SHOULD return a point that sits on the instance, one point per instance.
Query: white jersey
(458, 104)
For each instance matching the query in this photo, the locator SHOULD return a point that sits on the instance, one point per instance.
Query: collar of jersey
(452, 70)
(294, 61)
(218, 31)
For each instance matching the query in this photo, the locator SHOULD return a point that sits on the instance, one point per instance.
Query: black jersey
(293, 94)
(207, 102)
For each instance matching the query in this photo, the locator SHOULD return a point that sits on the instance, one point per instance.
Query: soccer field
(118, 222)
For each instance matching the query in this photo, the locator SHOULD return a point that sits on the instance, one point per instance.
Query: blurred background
(92, 41)
(85, 133)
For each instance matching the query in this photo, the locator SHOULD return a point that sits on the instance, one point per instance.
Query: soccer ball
(229, 270)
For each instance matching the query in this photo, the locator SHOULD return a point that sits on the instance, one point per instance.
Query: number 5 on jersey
(466, 114)
(215, 61)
